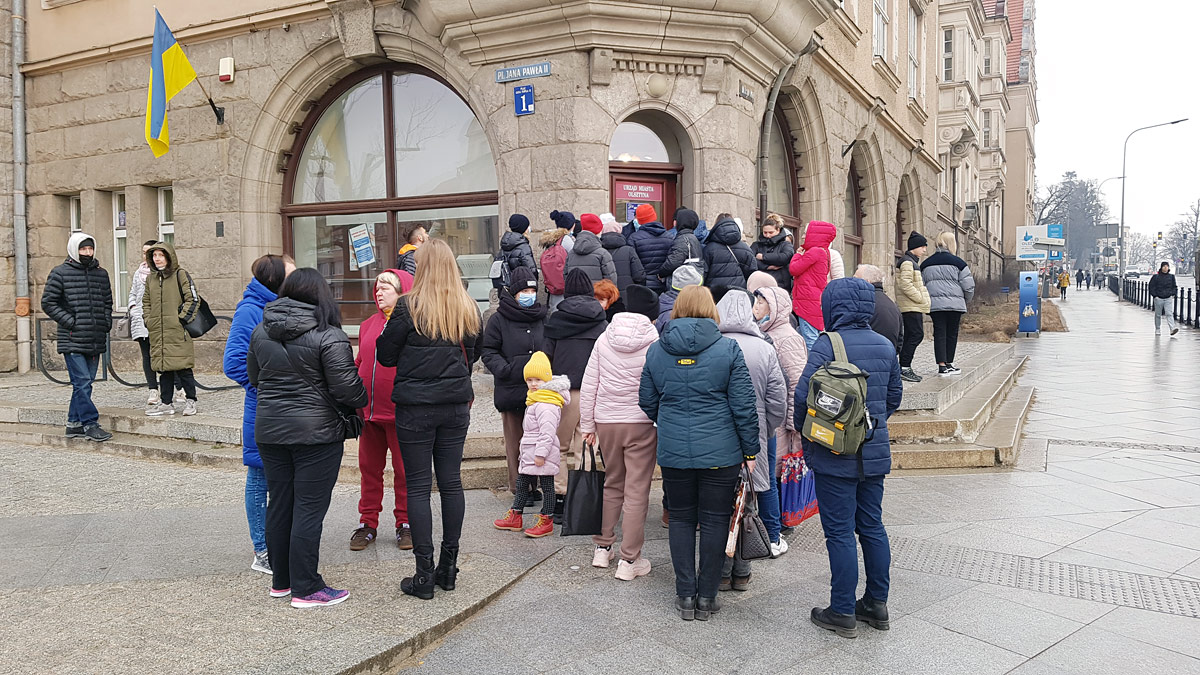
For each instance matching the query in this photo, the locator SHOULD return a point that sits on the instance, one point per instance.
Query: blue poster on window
(1030, 304)
(630, 210)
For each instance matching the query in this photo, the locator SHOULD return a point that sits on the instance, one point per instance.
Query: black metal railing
(1185, 306)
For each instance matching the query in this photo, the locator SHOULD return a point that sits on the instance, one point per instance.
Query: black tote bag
(583, 512)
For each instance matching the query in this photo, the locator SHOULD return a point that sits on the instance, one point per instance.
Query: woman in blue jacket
(269, 272)
(696, 387)
(850, 487)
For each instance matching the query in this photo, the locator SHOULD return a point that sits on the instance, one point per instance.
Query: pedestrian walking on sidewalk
(1064, 282)
(433, 340)
(1079, 280)
(379, 417)
(851, 492)
(301, 364)
(1087, 279)
(512, 335)
(913, 300)
(546, 395)
(707, 429)
(1163, 290)
(269, 273)
(609, 416)
(951, 287)
(78, 297)
(137, 323)
(171, 301)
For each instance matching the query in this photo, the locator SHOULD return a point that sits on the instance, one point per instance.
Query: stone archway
(867, 162)
(802, 110)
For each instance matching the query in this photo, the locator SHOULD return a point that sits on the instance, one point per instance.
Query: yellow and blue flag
(170, 72)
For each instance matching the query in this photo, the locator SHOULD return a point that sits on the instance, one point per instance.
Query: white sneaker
(1157, 331)
(780, 548)
(189, 407)
(261, 563)
(153, 400)
(161, 409)
(602, 557)
(628, 571)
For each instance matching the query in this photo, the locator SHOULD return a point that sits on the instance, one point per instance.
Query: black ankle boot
(447, 568)
(706, 607)
(873, 612)
(842, 624)
(686, 606)
(421, 583)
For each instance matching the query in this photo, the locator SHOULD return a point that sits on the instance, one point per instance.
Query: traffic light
(1160, 235)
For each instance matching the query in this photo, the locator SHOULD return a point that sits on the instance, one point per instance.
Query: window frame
(879, 43)
(75, 213)
(987, 56)
(914, 54)
(120, 234)
(947, 54)
(853, 234)
(165, 226)
(985, 126)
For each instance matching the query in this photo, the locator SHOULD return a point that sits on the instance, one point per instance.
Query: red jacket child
(810, 272)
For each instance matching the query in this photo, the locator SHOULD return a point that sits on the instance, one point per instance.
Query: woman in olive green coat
(171, 300)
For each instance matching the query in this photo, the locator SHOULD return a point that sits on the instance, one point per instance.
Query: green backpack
(837, 416)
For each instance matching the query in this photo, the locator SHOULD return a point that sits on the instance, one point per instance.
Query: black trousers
(526, 484)
(431, 441)
(914, 333)
(945, 335)
(300, 480)
(166, 385)
(703, 496)
(151, 376)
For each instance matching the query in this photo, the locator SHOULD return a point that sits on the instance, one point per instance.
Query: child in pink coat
(540, 453)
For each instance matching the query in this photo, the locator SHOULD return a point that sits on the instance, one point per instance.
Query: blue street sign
(522, 72)
(523, 100)
(1029, 319)
(1054, 231)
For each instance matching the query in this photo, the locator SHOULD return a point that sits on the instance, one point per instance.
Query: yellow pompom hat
(539, 367)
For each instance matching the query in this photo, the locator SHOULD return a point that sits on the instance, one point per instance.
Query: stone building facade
(1021, 77)
(349, 113)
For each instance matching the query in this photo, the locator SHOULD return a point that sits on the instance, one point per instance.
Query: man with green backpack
(850, 387)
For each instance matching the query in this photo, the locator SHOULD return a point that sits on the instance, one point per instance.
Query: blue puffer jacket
(696, 387)
(848, 305)
(652, 242)
(246, 317)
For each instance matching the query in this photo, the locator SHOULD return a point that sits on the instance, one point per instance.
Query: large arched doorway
(648, 157)
(386, 149)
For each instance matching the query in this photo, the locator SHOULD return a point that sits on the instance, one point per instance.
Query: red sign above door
(646, 192)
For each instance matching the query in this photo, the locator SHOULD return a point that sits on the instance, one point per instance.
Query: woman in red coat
(379, 432)
(810, 274)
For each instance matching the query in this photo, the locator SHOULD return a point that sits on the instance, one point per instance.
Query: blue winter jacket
(847, 305)
(696, 387)
(652, 242)
(246, 317)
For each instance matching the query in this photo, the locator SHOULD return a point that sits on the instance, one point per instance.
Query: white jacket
(609, 392)
(137, 289)
(837, 268)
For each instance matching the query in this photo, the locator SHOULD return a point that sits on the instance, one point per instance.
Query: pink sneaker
(602, 557)
(280, 592)
(628, 571)
(322, 598)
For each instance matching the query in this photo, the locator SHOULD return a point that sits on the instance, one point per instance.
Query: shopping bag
(797, 492)
(583, 510)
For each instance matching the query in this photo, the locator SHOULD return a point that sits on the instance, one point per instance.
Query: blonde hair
(440, 307)
(391, 279)
(774, 219)
(946, 241)
(695, 302)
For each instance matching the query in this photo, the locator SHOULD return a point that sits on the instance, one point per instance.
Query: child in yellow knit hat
(539, 445)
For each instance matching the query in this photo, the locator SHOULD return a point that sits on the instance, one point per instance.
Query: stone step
(996, 444)
(936, 394)
(1003, 432)
(962, 421)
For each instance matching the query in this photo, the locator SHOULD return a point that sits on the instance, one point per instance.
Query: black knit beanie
(518, 223)
(916, 240)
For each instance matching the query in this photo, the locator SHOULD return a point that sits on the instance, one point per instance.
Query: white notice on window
(362, 246)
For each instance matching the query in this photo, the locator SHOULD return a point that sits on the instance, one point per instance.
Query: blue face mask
(763, 321)
(526, 299)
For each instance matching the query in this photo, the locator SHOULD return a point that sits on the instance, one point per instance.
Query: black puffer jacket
(289, 409)
(652, 242)
(686, 246)
(428, 371)
(588, 255)
(571, 333)
(776, 251)
(727, 259)
(629, 266)
(516, 251)
(512, 335)
(1161, 285)
(79, 299)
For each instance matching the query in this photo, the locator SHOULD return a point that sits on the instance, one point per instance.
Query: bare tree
(1180, 242)
(1141, 251)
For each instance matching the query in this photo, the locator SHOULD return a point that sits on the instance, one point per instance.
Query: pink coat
(539, 437)
(810, 272)
(609, 393)
(793, 353)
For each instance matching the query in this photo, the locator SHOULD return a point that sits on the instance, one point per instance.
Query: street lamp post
(1121, 229)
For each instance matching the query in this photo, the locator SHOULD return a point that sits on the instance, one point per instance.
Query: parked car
(1132, 274)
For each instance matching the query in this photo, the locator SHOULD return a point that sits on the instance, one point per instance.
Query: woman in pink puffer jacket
(774, 305)
(609, 411)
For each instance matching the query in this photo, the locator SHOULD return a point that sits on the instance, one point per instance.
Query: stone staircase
(969, 420)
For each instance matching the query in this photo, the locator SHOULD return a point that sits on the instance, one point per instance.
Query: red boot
(544, 526)
(512, 520)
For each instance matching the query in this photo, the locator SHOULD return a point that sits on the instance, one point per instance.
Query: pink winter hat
(759, 279)
(610, 223)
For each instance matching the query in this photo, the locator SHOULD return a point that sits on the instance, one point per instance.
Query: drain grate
(1112, 587)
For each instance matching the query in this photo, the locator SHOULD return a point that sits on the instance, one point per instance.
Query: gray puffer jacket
(770, 387)
(948, 280)
(591, 257)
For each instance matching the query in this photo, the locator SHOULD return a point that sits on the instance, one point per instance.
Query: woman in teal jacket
(696, 387)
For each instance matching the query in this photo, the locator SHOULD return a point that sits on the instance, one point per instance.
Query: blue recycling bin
(1029, 320)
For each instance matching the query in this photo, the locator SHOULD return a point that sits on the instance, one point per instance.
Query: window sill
(845, 24)
(918, 111)
(885, 70)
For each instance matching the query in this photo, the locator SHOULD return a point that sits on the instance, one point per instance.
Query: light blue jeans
(256, 507)
(807, 331)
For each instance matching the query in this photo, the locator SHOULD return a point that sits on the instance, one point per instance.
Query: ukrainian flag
(170, 72)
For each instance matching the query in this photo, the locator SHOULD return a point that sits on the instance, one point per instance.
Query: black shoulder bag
(352, 423)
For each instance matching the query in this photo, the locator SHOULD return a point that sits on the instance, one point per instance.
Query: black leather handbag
(753, 541)
(204, 320)
(352, 423)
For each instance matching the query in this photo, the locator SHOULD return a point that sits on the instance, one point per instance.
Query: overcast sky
(1105, 68)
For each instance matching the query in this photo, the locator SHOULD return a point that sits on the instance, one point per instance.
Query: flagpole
(219, 112)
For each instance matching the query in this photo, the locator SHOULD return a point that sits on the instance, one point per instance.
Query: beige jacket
(911, 295)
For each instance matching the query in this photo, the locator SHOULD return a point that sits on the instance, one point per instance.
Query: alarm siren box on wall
(225, 69)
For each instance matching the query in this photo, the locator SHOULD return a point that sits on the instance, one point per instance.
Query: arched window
(855, 214)
(633, 142)
(385, 148)
(781, 167)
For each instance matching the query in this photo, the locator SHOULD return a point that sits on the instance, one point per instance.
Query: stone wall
(8, 317)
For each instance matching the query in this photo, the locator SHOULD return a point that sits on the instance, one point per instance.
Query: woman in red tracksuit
(379, 432)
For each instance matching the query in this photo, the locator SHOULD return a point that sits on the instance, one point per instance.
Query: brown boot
(404, 538)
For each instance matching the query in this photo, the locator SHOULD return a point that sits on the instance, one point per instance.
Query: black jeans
(914, 332)
(704, 496)
(945, 335)
(431, 441)
(166, 384)
(151, 377)
(300, 480)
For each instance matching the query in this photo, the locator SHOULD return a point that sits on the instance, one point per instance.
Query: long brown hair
(441, 308)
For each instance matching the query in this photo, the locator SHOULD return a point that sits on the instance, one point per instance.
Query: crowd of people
(676, 347)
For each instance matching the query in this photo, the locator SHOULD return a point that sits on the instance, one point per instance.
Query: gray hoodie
(770, 388)
(588, 255)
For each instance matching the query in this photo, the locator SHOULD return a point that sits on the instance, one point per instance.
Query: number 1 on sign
(523, 100)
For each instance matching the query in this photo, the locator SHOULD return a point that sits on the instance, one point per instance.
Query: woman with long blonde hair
(432, 339)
